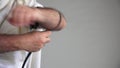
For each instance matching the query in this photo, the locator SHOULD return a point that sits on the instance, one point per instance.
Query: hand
(23, 16)
(32, 41)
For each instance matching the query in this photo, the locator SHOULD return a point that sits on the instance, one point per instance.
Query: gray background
(91, 38)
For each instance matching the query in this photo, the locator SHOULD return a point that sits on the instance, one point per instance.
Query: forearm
(31, 41)
(7, 43)
(51, 18)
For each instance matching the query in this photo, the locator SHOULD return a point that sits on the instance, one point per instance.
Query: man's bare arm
(5, 43)
(49, 18)
(32, 41)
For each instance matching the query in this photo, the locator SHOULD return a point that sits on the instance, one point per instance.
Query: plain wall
(91, 38)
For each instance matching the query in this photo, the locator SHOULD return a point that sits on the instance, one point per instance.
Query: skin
(32, 41)
(47, 17)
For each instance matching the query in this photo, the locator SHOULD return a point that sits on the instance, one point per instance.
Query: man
(16, 16)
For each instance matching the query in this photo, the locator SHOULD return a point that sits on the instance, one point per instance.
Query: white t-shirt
(15, 59)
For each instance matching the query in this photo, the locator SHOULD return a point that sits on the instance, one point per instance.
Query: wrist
(19, 41)
(38, 16)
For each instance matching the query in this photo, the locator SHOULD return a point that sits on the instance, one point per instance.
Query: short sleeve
(38, 4)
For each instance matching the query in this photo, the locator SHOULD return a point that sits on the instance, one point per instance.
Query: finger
(47, 33)
(14, 16)
(48, 40)
(10, 18)
(45, 40)
(20, 16)
(20, 19)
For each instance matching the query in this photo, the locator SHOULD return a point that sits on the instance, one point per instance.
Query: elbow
(62, 25)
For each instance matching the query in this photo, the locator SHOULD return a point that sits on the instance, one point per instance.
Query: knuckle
(50, 32)
(43, 41)
(49, 40)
